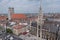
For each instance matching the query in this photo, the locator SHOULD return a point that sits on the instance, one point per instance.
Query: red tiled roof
(3, 17)
(18, 16)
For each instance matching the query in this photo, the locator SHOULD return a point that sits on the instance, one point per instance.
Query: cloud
(19, 5)
(30, 6)
(50, 1)
(51, 6)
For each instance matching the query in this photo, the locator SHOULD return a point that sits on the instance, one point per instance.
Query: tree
(9, 31)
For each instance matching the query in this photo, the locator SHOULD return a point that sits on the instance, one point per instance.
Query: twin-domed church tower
(10, 12)
(39, 20)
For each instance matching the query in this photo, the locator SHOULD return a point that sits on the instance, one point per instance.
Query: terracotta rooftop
(18, 16)
(3, 17)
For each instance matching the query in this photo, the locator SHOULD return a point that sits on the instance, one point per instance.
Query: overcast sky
(30, 6)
